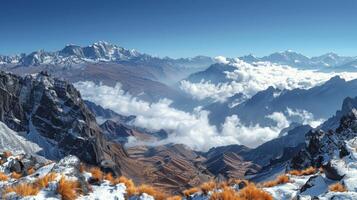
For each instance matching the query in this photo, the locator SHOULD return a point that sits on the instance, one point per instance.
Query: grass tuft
(3, 177)
(337, 187)
(190, 191)
(279, 180)
(208, 186)
(157, 194)
(97, 174)
(174, 198)
(109, 177)
(228, 193)
(69, 190)
(307, 171)
(23, 189)
(44, 181)
(251, 192)
(15, 175)
(31, 170)
(82, 167)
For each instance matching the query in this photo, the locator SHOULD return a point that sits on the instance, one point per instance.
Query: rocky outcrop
(314, 186)
(103, 114)
(54, 116)
(323, 146)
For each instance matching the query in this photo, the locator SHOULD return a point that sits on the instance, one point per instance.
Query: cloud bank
(249, 79)
(192, 129)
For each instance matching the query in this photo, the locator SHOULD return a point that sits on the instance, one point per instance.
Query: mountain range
(321, 101)
(43, 117)
(326, 62)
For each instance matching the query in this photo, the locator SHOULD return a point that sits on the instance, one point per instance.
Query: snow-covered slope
(14, 142)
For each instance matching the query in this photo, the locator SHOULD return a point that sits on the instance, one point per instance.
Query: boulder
(69, 167)
(315, 186)
(331, 172)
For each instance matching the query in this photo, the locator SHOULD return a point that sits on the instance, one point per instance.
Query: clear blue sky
(181, 28)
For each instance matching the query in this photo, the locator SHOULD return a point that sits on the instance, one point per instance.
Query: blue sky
(182, 28)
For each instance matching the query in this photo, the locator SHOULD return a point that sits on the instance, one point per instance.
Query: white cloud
(252, 78)
(221, 59)
(303, 117)
(192, 129)
(254, 135)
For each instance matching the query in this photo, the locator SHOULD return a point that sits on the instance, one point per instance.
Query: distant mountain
(275, 148)
(98, 52)
(333, 122)
(147, 77)
(328, 61)
(103, 114)
(215, 74)
(288, 58)
(322, 101)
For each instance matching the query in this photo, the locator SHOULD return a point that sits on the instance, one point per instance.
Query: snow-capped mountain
(328, 61)
(73, 54)
(98, 52)
(255, 109)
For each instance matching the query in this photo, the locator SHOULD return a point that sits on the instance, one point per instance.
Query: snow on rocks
(46, 182)
(143, 196)
(317, 185)
(106, 191)
(314, 186)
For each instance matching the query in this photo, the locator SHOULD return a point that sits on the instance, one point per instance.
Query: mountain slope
(52, 115)
(322, 101)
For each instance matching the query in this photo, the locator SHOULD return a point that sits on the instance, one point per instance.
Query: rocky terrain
(57, 137)
(50, 115)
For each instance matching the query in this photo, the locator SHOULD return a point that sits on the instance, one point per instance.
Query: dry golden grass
(3, 177)
(44, 181)
(190, 191)
(97, 174)
(279, 180)
(15, 175)
(237, 181)
(307, 171)
(174, 198)
(208, 186)
(69, 190)
(251, 192)
(129, 184)
(337, 187)
(23, 189)
(31, 170)
(157, 194)
(109, 177)
(82, 168)
(228, 193)
(222, 185)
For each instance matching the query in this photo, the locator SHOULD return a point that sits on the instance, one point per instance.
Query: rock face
(321, 147)
(103, 114)
(53, 115)
(314, 186)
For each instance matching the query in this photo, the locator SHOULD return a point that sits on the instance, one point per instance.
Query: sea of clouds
(249, 79)
(190, 128)
(193, 128)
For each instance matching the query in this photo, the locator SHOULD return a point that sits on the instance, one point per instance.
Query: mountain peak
(335, 80)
